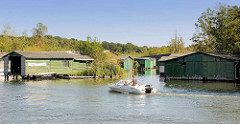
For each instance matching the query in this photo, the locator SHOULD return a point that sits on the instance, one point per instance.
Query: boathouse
(127, 62)
(145, 63)
(200, 66)
(62, 62)
(157, 57)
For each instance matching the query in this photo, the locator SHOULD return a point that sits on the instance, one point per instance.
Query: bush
(106, 69)
(86, 72)
(136, 64)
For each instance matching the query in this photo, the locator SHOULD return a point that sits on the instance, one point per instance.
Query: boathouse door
(15, 65)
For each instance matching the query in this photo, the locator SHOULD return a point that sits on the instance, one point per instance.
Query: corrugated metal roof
(230, 57)
(53, 54)
(158, 56)
(173, 56)
(177, 55)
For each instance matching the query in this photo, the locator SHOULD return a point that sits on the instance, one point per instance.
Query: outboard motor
(148, 89)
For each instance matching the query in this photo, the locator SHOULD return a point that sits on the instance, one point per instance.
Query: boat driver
(134, 81)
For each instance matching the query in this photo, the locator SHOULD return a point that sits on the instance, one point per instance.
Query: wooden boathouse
(200, 66)
(157, 57)
(145, 63)
(61, 62)
(126, 62)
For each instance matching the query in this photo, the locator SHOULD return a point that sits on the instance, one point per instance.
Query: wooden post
(120, 67)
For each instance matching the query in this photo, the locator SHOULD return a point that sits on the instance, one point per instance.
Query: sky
(141, 22)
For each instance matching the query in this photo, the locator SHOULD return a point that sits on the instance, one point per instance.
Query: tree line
(41, 41)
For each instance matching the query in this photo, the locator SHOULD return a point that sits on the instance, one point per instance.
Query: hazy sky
(141, 22)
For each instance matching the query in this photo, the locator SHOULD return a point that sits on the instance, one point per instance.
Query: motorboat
(127, 88)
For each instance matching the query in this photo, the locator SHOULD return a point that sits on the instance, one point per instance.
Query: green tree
(218, 30)
(41, 30)
(5, 42)
(176, 45)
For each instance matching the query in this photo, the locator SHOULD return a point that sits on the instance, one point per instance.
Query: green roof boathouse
(200, 66)
(24, 63)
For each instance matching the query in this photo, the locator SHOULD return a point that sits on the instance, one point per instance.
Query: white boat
(137, 89)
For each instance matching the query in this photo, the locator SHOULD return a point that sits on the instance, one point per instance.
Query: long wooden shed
(62, 62)
(201, 66)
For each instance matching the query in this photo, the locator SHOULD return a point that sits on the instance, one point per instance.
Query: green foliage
(122, 48)
(100, 66)
(136, 64)
(86, 72)
(176, 45)
(218, 30)
(106, 69)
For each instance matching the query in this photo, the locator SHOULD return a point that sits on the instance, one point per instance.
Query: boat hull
(139, 89)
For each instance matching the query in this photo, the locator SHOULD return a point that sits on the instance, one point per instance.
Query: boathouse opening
(14, 64)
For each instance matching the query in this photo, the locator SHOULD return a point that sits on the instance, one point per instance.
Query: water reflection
(224, 88)
(135, 100)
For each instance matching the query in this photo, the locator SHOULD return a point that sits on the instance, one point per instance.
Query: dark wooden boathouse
(201, 66)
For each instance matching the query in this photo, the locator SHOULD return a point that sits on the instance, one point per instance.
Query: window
(142, 61)
(65, 63)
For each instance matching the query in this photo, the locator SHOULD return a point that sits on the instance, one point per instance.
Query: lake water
(89, 101)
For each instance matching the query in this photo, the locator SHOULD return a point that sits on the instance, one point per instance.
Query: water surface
(89, 101)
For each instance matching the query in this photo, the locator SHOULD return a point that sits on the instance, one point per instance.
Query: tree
(218, 30)
(176, 45)
(6, 40)
(40, 30)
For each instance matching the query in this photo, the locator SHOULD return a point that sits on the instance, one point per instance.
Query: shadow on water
(15, 82)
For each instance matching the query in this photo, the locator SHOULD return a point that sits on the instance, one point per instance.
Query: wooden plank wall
(6, 65)
(23, 68)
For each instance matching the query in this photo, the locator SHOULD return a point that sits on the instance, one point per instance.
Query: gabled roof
(52, 54)
(177, 55)
(224, 56)
(173, 56)
(158, 56)
(124, 56)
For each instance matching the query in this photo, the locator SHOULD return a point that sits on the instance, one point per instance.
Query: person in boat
(134, 81)
(126, 83)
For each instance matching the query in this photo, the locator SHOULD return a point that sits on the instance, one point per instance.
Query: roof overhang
(85, 59)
